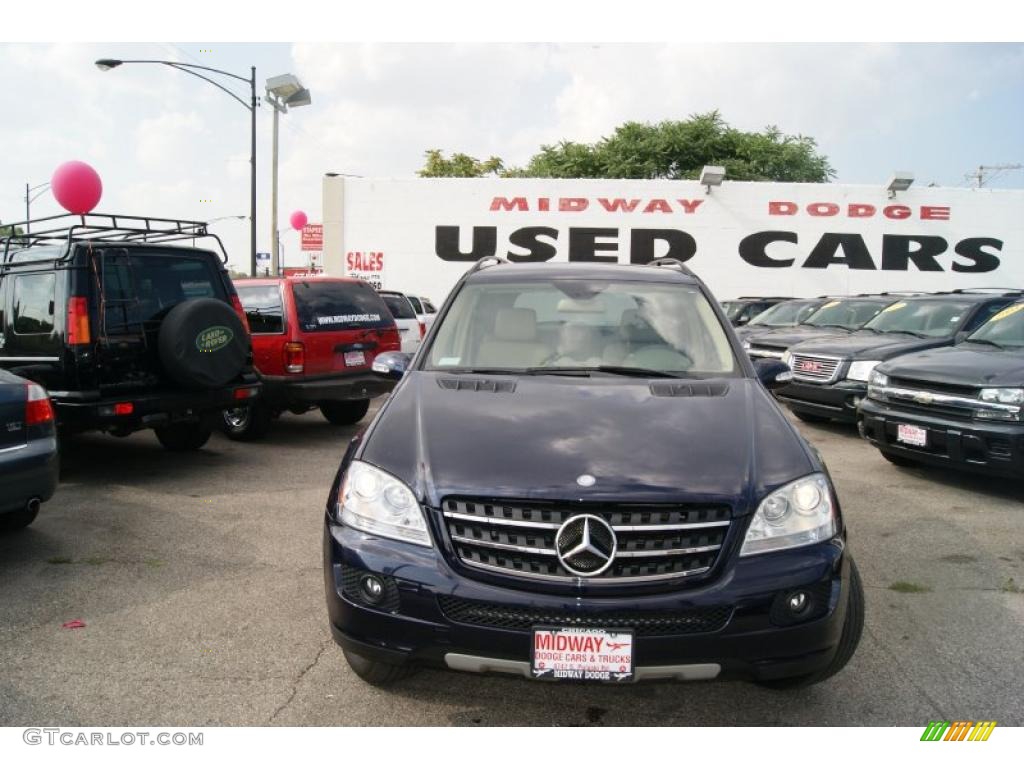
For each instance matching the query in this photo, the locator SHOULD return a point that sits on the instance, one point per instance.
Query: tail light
(423, 330)
(237, 304)
(294, 357)
(78, 331)
(38, 408)
(390, 340)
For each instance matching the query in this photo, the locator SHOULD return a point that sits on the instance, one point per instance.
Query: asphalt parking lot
(199, 581)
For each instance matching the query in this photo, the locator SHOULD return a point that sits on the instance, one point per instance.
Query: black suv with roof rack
(830, 375)
(580, 476)
(126, 323)
(960, 407)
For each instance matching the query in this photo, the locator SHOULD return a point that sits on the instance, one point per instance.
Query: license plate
(572, 653)
(911, 435)
(355, 358)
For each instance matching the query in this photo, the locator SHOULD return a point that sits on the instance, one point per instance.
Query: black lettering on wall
(753, 248)
(446, 243)
(584, 245)
(898, 255)
(981, 261)
(681, 245)
(529, 238)
(855, 254)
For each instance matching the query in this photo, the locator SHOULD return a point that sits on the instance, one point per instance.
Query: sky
(168, 144)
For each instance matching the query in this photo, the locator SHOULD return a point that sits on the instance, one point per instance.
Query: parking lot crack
(298, 680)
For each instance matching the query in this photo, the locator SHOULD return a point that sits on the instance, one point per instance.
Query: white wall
(971, 237)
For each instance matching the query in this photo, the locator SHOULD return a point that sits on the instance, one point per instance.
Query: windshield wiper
(618, 370)
(828, 325)
(987, 341)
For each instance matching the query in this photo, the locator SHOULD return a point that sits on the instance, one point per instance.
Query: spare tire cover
(202, 344)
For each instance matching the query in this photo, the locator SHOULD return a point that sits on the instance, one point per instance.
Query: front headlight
(860, 370)
(746, 345)
(787, 358)
(795, 515)
(878, 379)
(1002, 396)
(373, 501)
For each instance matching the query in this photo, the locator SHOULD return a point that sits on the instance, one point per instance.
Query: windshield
(733, 309)
(666, 327)
(927, 317)
(400, 307)
(1006, 328)
(786, 313)
(325, 305)
(846, 313)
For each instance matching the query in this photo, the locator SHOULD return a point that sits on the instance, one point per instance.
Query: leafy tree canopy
(671, 149)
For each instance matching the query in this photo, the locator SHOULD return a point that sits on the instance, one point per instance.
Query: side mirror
(774, 374)
(391, 364)
(741, 320)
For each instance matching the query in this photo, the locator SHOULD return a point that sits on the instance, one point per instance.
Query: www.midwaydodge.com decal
(899, 251)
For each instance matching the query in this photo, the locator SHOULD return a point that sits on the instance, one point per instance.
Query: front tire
(853, 627)
(18, 519)
(247, 422)
(187, 436)
(377, 673)
(345, 412)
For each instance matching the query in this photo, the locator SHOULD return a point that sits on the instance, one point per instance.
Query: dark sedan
(28, 451)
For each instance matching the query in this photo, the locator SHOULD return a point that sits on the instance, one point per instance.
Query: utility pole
(989, 172)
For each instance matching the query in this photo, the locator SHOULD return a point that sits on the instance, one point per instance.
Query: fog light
(371, 589)
(797, 602)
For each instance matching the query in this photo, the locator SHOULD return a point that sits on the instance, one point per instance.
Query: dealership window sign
(368, 266)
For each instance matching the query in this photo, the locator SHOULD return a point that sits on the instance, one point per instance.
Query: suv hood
(864, 345)
(783, 338)
(966, 364)
(533, 442)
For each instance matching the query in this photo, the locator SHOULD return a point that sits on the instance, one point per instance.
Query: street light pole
(275, 255)
(283, 91)
(107, 64)
(29, 199)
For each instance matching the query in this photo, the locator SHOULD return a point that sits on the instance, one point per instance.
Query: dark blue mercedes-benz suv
(581, 476)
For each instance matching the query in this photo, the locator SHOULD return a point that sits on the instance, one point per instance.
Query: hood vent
(689, 389)
(478, 385)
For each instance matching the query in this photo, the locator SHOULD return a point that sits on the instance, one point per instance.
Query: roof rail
(986, 289)
(68, 228)
(482, 263)
(670, 262)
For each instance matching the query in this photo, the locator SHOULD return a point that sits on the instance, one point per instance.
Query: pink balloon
(77, 186)
(298, 220)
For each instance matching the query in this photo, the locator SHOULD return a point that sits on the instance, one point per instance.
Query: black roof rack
(986, 289)
(66, 229)
(482, 263)
(672, 263)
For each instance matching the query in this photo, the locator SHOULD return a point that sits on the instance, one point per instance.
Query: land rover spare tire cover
(202, 344)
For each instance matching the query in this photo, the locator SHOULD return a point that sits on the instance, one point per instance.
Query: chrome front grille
(816, 368)
(653, 541)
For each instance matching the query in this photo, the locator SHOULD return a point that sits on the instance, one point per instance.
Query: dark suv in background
(837, 316)
(830, 375)
(959, 407)
(582, 477)
(126, 324)
(785, 314)
(744, 309)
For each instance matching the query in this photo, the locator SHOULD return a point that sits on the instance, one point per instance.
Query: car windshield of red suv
(327, 305)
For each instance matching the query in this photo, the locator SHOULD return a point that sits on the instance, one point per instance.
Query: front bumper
(28, 472)
(995, 448)
(838, 400)
(284, 392)
(414, 627)
(85, 411)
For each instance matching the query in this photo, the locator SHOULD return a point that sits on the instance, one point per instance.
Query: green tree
(671, 149)
(459, 165)
(6, 231)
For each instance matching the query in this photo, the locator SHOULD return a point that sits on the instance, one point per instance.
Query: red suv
(314, 340)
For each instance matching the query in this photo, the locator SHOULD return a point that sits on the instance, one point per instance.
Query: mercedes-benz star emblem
(585, 545)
